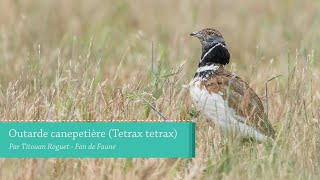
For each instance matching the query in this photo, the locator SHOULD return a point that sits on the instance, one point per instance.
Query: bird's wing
(241, 98)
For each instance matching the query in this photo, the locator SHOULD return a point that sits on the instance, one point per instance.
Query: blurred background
(126, 29)
(53, 43)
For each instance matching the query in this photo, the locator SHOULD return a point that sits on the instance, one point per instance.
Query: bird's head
(214, 49)
(207, 34)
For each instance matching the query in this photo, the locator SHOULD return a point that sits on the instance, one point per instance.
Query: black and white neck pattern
(214, 55)
(204, 72)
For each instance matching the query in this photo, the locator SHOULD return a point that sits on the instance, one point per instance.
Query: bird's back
(223, 92)
(240, 98)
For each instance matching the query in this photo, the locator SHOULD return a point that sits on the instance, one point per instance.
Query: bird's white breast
(216, 109)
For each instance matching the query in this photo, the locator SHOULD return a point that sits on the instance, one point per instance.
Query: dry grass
(92, 60)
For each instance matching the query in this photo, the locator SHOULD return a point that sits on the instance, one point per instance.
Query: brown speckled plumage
(241, 98)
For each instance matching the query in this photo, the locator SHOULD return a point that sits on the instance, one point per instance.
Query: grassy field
(92, 60)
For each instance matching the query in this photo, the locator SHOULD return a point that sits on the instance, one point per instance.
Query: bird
(223, 97)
